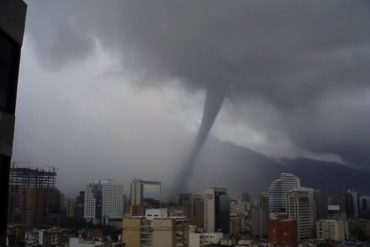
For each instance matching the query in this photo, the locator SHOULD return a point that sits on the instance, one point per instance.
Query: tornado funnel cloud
(213, 102)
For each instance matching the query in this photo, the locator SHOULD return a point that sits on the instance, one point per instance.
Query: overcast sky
(115, 89)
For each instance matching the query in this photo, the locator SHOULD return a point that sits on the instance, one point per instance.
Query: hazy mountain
(240, 169)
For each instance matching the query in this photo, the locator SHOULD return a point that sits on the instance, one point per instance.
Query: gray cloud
(305, 61)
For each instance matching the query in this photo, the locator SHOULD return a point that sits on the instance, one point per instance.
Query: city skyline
(311, 215)
(175, 123)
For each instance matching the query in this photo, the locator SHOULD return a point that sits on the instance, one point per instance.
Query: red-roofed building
(283, 231)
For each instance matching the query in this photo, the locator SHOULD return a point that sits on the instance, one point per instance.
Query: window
(9, 59)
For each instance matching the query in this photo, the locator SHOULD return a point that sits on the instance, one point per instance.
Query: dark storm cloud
(309, 60)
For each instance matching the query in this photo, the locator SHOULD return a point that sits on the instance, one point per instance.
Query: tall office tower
(197, 214)
(239, 217)
(337, 206)
(155, 232)
(33, 198)
(12, 21)
(321, 204)
(78, 211)
(144, 194)
(185, 202)
(278, 190)
(352, 204)
(364, 206)
(103, 202)
(301, 208)
(260, 217)
(216, 210)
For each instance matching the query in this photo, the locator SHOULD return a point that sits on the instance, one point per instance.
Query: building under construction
(34, 200)
(32, 178)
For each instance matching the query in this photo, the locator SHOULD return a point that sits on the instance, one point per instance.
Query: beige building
(331, 229)
(156, 232)
(300, 208)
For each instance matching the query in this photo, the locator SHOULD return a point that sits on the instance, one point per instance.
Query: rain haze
(117, 89)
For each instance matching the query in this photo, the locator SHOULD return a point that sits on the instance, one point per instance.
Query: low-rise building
(330, 229)
(283, 231)
(199, 238)
(77, 242)
(155, 232)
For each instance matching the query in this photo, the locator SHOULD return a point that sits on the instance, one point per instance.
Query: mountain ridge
(225, 164)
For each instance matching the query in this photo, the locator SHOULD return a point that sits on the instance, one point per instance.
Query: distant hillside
(241, 169)
(329, 176)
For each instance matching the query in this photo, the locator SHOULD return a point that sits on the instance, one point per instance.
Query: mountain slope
(240, 169)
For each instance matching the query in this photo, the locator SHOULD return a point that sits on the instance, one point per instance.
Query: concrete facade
(12, 24)
(103, 201)
(158, 232)
(144, 194)
(283, 231)
(202, 239)
(330, 229)
(213, 210)
(300, 208)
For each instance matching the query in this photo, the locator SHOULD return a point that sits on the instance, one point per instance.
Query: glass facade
(222, 204)
(9, 62)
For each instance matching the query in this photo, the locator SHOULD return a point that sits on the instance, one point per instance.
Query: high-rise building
(337, 206)
(156, 232)
(239, 217)
(260, 217)
(197, 214)
(301, 208)
(185, 202)
(12, 22)
(321, 200)
(352, 204)
(278, 190)
(34, 200)
(216, 210)
(103, 201)
(144, 194)
(192, 208)
(78, 210)
(330, 229)
(364, 205)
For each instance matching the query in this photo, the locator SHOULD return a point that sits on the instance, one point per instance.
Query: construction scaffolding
(33, 197)
(32, 178)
